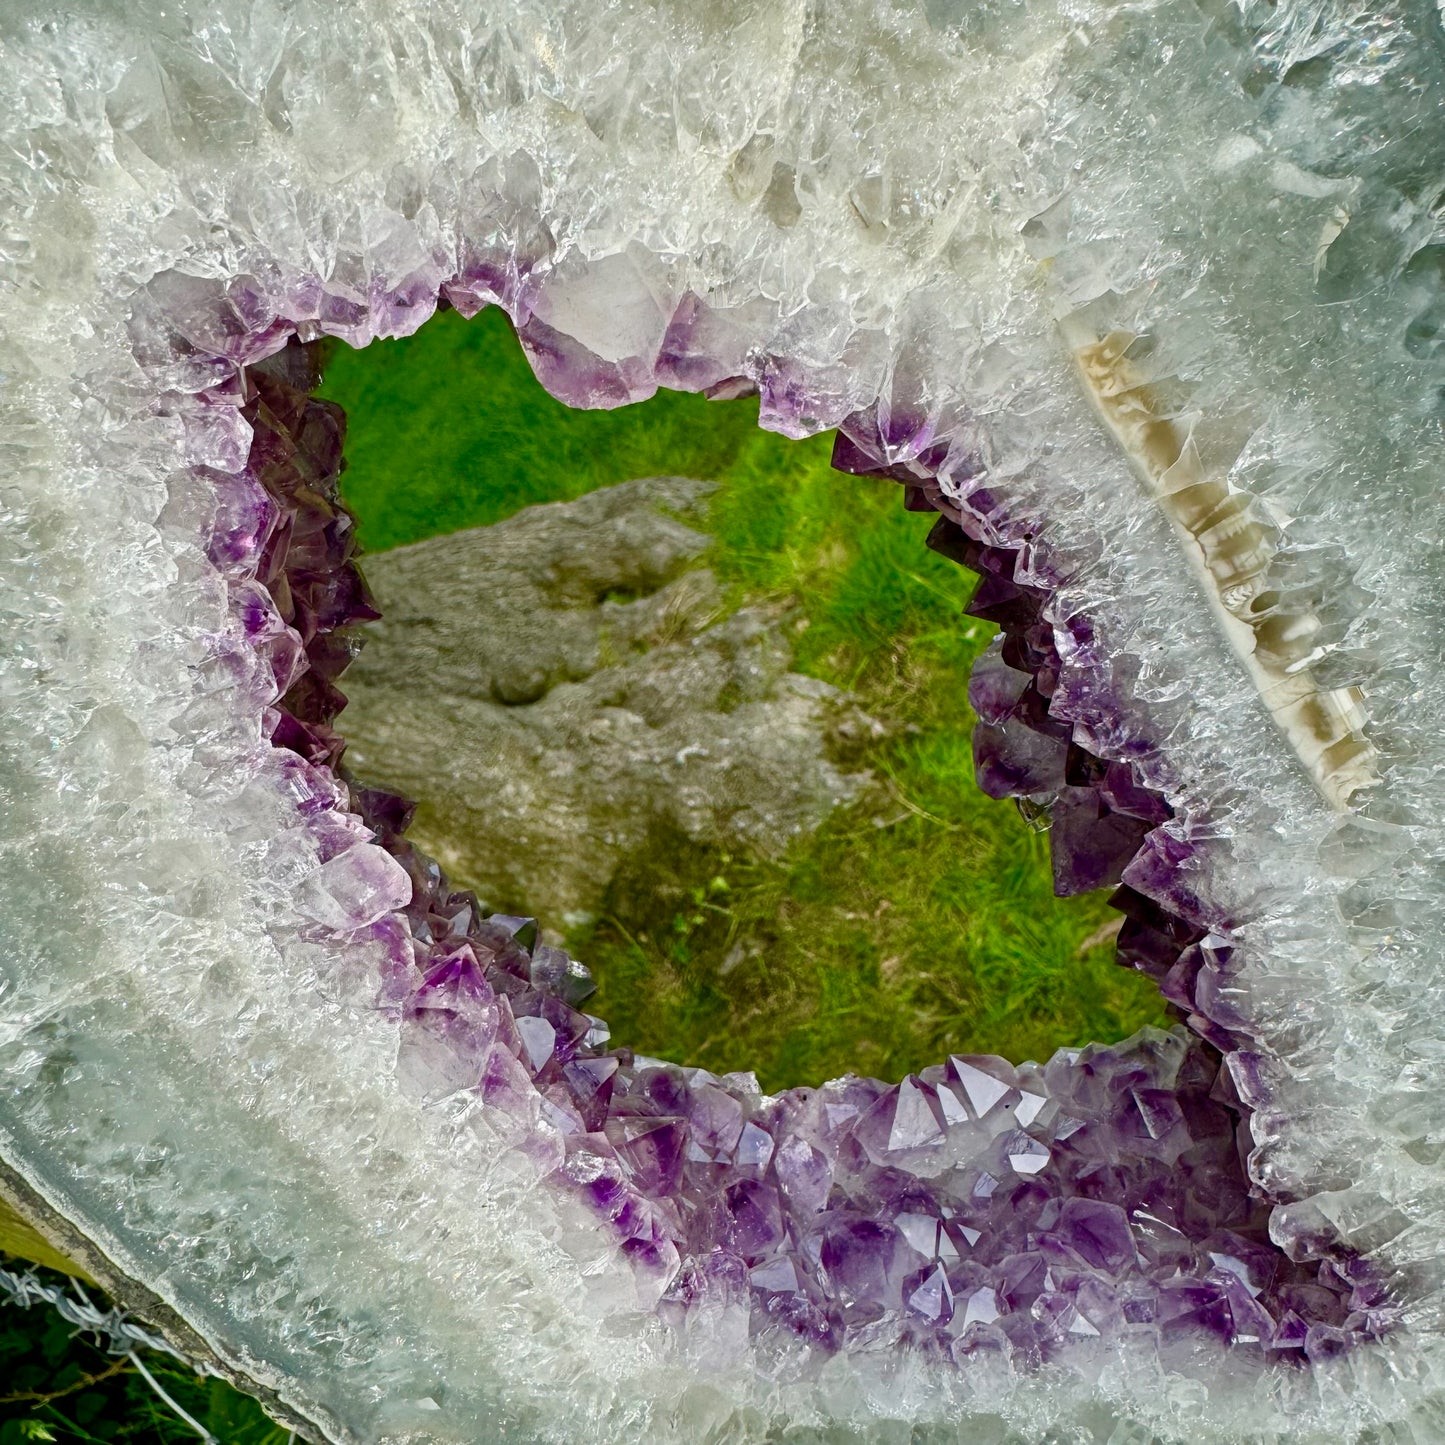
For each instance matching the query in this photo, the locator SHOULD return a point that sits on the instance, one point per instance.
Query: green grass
(449, 429)
(920, 919)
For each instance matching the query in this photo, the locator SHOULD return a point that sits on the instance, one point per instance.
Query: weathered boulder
(556, 688)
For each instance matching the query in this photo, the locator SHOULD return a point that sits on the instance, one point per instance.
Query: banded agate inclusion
(1144, 305)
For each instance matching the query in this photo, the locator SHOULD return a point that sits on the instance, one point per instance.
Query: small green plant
(59, 1383)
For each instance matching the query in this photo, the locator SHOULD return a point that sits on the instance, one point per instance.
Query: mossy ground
(920, 919)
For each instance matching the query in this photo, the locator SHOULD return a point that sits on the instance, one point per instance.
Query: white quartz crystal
(910, 202)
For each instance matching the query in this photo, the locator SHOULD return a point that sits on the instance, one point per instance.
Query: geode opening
(203, 919)
(973, 1207)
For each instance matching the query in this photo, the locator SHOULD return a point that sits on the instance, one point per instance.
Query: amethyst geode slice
(1145, 302)
(974, 1207)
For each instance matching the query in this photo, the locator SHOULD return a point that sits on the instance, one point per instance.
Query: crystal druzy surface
(1104, 1192)
(1145, 303)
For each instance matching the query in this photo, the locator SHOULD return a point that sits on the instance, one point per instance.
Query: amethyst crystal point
(984, 1083)
(1013, 761)
(1091, 844)
(905, 1121)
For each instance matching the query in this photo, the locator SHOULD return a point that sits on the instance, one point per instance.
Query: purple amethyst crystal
(976, 1203)
(1046, 1204)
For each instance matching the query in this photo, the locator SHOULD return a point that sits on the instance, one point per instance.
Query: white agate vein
(1230, 547)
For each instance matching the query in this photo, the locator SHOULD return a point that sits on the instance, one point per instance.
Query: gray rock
(556, 688)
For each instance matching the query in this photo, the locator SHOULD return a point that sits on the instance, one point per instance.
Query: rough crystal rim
(125, 178)
(453, 996)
